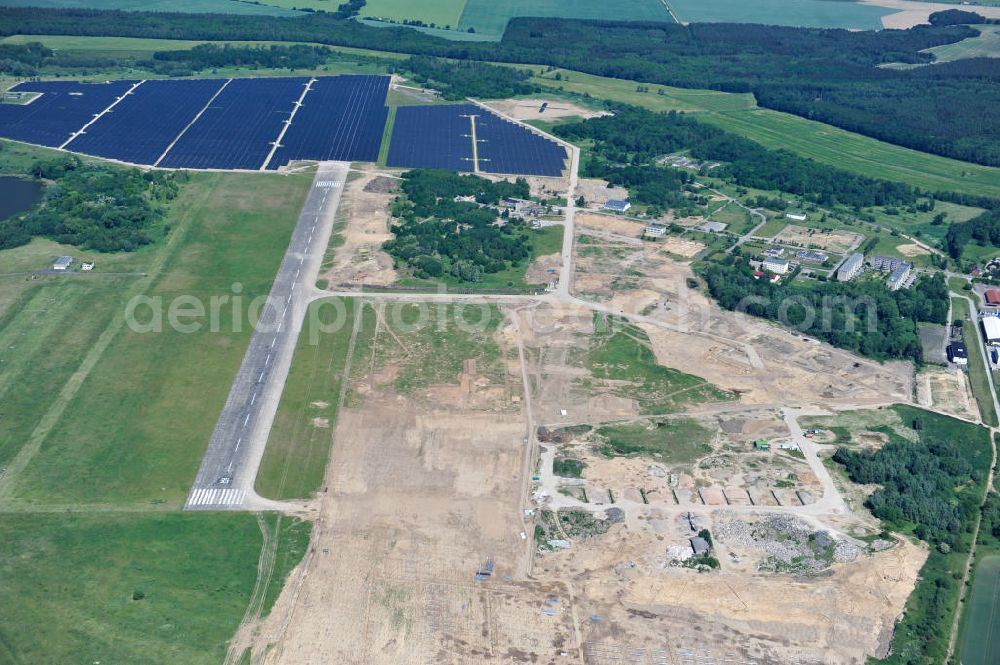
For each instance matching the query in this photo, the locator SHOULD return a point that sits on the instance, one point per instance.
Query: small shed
(762, 444)
(699, 545)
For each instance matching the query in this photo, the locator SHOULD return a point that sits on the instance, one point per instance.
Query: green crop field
(981, 645)
(854, 152)
(986, 45)
(200, 6)
(491, 16)
(116, 423)
(441, 13)
(804, 13)
(299, 442)
(134, 587)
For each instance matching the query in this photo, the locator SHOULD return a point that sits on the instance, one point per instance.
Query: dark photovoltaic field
(265, 123)
(64, 108)
(144, 124)
(341, 119)
(433, 137)
(441, 137)
(238, 128)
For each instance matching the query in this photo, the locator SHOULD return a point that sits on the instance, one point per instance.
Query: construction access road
(225, 480)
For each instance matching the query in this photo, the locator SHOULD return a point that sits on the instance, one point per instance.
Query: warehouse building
(991, 329)
(617, 205)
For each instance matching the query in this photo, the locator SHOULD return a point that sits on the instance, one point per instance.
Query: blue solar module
(441, 137)
(506, 147)
(145, 123)
(341, 118)
(433, 137)
(236, 131)
(63, 108)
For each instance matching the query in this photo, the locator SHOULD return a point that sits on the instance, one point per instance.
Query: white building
(777, 266)
(899, 276)
(617, 205)
(797, 216)
(62, 263)
(850, 268)
(991, 329)
(655, 231)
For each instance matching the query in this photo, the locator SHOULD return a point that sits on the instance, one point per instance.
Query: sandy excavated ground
(596, 192)
(913, 13)
(764, 363)
(831, 241)
(947, 389)
(528, 109)
(911, 250)
(364, 212)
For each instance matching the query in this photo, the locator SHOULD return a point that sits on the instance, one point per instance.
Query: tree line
(637, 137)
(983, 230)
(439, 231)
(100, 207)
(861, 316)
(466, 78)
(829, 75)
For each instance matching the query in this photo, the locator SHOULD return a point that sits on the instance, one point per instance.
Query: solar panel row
(237, 129)
(433, 137)
(506, 147)
(64, 108)
(340, 119)
(441, 137)
(141, 127)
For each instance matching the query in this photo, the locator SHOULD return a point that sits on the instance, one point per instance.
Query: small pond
(18, 195)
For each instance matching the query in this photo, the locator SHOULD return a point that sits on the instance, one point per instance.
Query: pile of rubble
(788, 544)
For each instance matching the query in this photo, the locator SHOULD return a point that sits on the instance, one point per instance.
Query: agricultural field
(439, 13)
(981, 644)
(195, 6)
(135, 587)
(803, 13)
(986, 45)
(226, 230)
(491, 16)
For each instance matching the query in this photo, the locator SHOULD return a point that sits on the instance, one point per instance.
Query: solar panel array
(264, 123)
(441, 137)
(206, 123)
(64, 108)
(340, 119)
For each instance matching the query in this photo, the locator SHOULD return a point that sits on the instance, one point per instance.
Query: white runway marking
(238, 442)
(253, 398)
(273, 341)
(246, 420)
(261, 377)
(267, 361)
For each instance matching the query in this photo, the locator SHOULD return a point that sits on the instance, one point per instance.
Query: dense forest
(438, 235)
(931, 485)
(864, 317)
(984, 230)
(637, 137)
(461, 79)
(105, 208)
(828, 75)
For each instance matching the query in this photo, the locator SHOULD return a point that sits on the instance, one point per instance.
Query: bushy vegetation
(437, 234)
(105, 208)
(568, 467)
(828, 75)
(636, 137)
(22, 60)
(931, 487)
(983, 230)
(209, 56)
(461, 79)
(861, 316)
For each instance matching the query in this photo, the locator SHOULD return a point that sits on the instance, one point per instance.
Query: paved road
(229, 467)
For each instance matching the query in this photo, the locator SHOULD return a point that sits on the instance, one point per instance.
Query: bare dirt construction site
(946, 389)
(362, 225)
(831, 241)
(531, 109)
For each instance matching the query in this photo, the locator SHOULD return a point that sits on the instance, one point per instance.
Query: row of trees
(105, 208)
(830, 75)
(460, 79)
(637, 137)
(209, 56)
(983, 230)
(437, 235)
(863, 317)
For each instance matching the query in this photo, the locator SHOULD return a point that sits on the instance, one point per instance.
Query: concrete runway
(228, 470)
